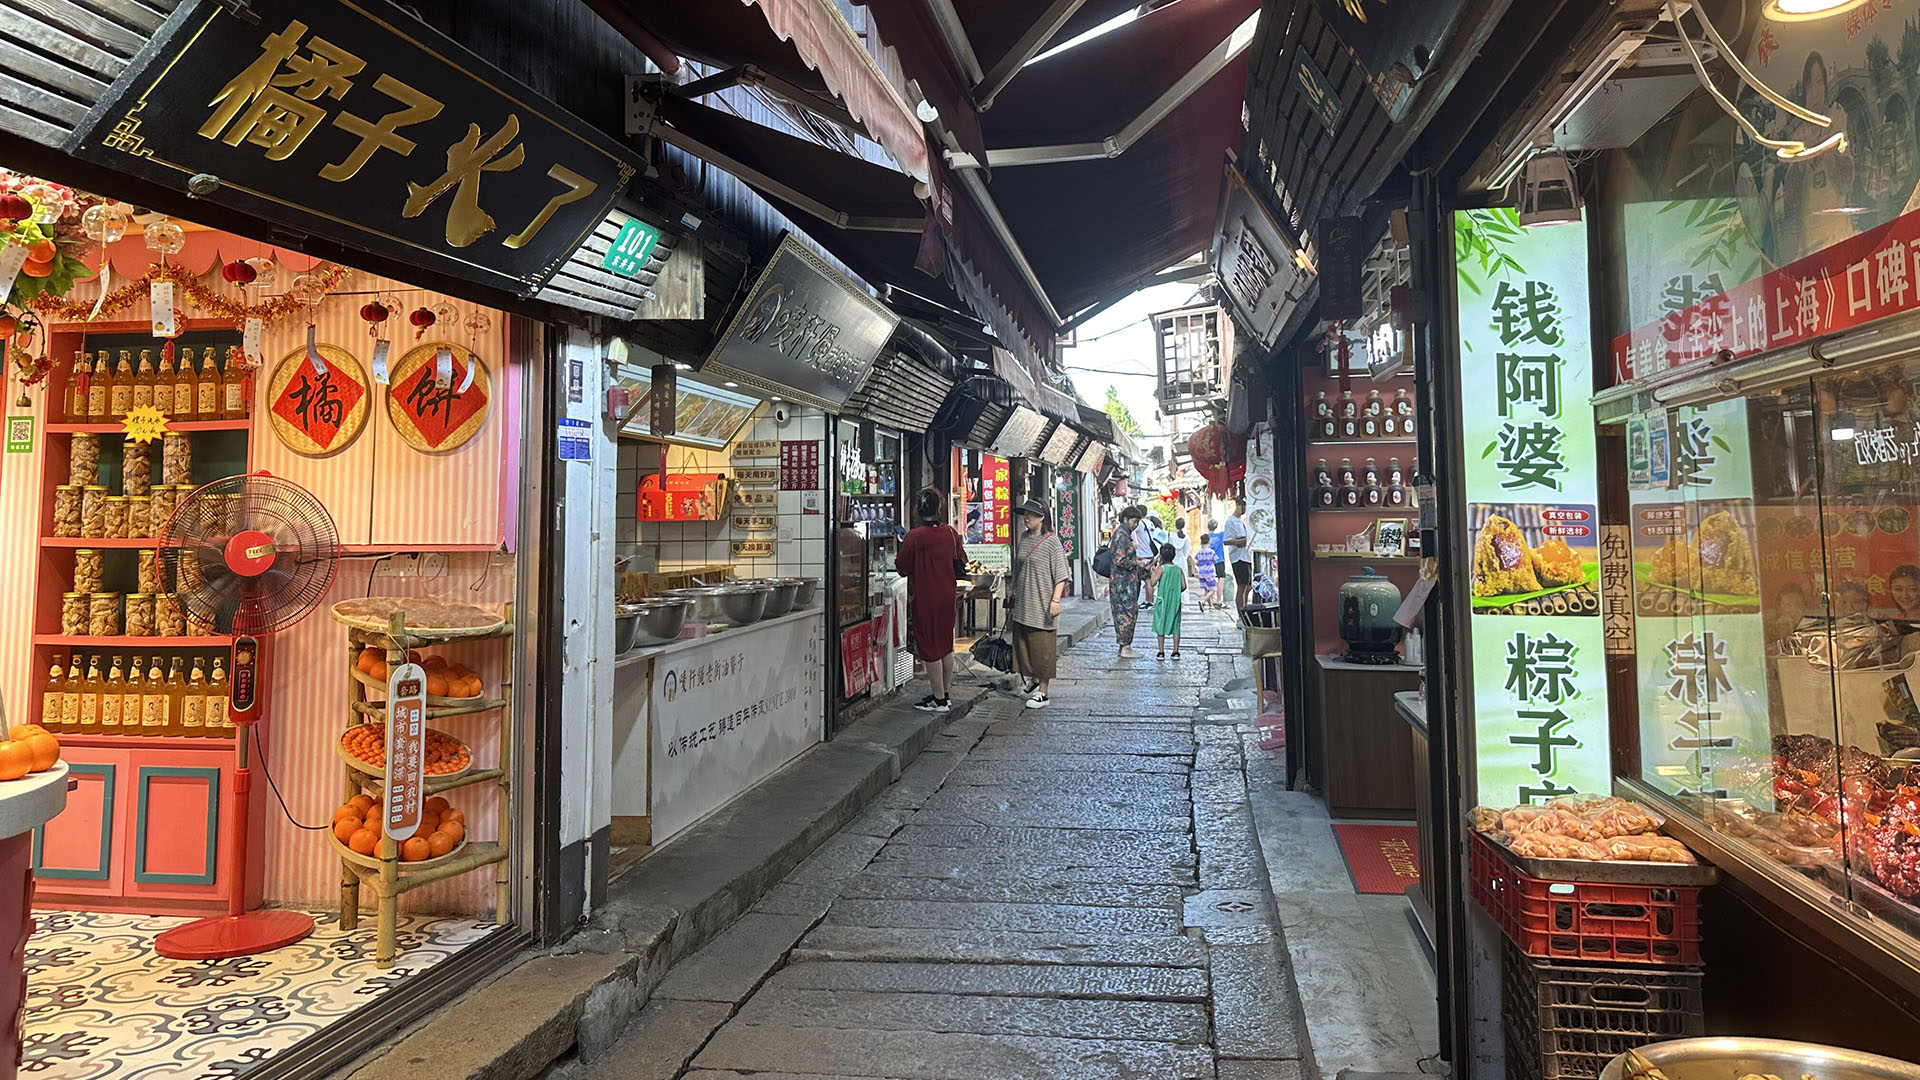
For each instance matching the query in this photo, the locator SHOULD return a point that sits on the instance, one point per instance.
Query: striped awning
(901, 393)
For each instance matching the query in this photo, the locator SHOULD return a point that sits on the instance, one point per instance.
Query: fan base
(233, 935)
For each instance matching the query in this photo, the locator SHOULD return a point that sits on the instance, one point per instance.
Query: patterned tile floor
(102, 1004)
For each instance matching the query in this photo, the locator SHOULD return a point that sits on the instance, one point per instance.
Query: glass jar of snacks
(161, 504)
(149, 571)
(93, 511)
(103, 614)
(83, 460)
(66, 509)
(73, 614)
(169, 619)
(176, 459)
(139, 515)
(113, 515)
(139, 615)
(89, 566)
(136, 467)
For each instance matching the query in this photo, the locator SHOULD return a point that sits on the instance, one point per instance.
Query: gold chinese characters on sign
(362, 128)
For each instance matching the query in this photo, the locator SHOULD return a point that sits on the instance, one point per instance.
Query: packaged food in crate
(1625, 912)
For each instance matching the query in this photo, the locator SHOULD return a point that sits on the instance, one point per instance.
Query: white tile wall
(800, 548)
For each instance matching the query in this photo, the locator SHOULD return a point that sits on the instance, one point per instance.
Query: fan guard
(249, 554)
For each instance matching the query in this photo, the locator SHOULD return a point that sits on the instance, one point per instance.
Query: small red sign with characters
(682, 497)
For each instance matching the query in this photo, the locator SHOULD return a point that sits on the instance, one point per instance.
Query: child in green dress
(1169, 585)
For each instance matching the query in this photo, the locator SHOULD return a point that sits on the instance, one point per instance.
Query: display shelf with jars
(105, 497)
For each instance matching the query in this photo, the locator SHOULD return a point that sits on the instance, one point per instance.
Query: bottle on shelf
(76, 397)
(1349, 416)
(1403, 408)
(70, 694)
(99, 391)
(206, 393)
(185, 386)
(1371, 492)
(112, 700)
(1322, 426)
(176, 697)
(234, 385)
(219, 724)
(133, 695)
(1374, 406)
(1349, 486)
(1396, 483)
(1322, 488)
(88, 722)
(53, 709)
(163, 385)
(193, 706)
(123, 379)
(143, 380)
(153, 700)
(1371, 415)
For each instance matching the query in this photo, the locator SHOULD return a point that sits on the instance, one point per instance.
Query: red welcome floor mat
(1381, 859)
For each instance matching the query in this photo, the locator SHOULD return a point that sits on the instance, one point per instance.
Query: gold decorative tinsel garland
(201, 297)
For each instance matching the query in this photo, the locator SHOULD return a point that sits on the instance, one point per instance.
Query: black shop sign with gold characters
(350, 119)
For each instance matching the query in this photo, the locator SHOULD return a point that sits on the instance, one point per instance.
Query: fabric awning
(1092, 225)
(805, 43)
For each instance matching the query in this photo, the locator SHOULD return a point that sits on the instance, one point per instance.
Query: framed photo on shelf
(1390, 536)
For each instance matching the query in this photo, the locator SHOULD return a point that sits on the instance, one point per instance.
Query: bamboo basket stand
(384, 872)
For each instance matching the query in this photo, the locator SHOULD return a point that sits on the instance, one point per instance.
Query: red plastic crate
(1587, 921)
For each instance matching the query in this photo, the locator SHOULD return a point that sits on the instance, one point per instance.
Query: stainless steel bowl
(737, 604)
(1727, 1059)
(780, 599)
(649, 622)
(804, 591)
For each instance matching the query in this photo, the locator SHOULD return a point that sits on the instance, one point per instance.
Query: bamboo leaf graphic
(1488, 452)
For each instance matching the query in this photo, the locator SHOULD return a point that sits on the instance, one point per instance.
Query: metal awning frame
(649, 123)
(1112, 146)
(754, 75)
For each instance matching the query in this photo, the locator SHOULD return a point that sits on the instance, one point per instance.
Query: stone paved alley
(1069, 892)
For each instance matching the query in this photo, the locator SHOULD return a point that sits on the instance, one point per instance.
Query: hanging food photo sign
(434, 416)
(318, 409)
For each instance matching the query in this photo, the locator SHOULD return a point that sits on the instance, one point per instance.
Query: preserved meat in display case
(1776, 580)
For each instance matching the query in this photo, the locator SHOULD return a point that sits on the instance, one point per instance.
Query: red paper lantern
(376, 312)
(15, 208)
(1219, 480)
(238, 273)
(1209, 447)
(421, 317)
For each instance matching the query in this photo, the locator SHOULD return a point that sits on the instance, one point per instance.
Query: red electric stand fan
(249, 555)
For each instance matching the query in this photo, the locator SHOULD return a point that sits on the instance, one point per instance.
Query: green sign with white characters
(631, 248)
(1537, 639)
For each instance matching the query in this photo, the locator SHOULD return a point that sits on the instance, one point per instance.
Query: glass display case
(1776, 585)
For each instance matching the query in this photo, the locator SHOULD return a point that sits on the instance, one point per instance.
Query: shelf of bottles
(101, 591)
(113, 692)
(1344, 484)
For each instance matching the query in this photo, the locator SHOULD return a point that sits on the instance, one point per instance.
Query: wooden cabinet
(143, 829)
(1362, 758)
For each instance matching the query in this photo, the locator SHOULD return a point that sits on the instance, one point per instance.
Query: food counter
(25, 805)
(1357, 749)
(1776, 625)
(700, 720)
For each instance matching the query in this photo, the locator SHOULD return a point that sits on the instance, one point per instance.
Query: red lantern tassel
(166, 352)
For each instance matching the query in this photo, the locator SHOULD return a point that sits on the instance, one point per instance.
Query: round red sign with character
(318, 409)
(441, 396)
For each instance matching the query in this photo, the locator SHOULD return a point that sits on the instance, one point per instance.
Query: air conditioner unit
(1615, 84)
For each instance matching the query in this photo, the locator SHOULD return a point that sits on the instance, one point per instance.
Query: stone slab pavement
(1069, 893)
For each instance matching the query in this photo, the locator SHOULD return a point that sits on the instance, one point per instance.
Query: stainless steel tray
(1608, 871)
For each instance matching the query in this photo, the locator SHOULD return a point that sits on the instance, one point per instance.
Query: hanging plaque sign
(755, 522)
(750, 549)
(761, 499)
(353, 120)
(757, 474)
(1253, 258)
(317, 413)
(805, 327)
(757, 448)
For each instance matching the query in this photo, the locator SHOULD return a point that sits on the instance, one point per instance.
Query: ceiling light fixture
(730, 384)
(1785, 149)
(1547, 196)
(1807, 10)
